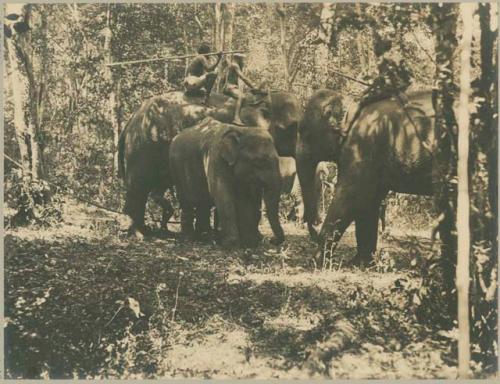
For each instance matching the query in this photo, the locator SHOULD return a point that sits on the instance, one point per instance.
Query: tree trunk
(326, 23)
(484, 185)
(39, 102)
(463, 229)
(217, 24)
(218, 36)
(27, 97)
(444, 24)
(359, 44)
(228, 19)
(324, 37)
(19, 95)
(280, 8)
(113, 97)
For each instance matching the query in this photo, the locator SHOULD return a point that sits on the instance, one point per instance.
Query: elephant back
(161, 120)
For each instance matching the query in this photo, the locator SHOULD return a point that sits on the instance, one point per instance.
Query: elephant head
(255, 167)
(319, 139)
(277, 111)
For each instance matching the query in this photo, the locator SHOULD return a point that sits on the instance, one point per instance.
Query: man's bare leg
(209, 84)
(237, 109)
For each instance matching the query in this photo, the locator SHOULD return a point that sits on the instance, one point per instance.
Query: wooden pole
(462, 273)
(166, 58)
(349, 77)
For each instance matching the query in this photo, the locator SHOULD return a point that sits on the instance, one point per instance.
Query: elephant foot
(230, 244)
(203, 236)
(361, 261)
(277, 240)
(164, 233)
(134, 233)
(313, 232)
(187, 236)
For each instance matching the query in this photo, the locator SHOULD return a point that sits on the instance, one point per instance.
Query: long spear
(167, 58)
(349, 77)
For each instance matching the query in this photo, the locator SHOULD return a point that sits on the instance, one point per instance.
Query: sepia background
(84, 301)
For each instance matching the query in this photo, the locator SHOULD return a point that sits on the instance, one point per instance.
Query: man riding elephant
(232, 87)
(393, 78)
(144, 142)
(200, 76)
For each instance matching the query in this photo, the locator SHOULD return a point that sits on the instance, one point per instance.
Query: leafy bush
(34, 202)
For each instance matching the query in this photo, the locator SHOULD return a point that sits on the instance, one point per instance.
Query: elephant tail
(121, 155)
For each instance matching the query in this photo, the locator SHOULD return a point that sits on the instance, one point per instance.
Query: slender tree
(463, 229)
(325, 31)
(228, 22)
(281, 11)
(363, 59)
(444, 25)
(113, 82)
(484, 186)
(27, 89)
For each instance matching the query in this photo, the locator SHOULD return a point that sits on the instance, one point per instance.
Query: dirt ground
(83, 301)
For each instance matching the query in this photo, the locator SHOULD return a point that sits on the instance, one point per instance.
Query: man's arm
(207, 66)
(242, 77)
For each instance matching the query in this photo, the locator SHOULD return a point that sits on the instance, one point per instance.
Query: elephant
(231, 168)
(388, 148)
(143, 145)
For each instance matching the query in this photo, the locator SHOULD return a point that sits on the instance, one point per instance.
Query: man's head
(382, 40)
(381, 46)
(204, 48)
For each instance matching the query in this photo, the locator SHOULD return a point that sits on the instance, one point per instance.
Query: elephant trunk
(306, 171)
(272, 200)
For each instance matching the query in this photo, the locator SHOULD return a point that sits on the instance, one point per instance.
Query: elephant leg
(357, 197)
(367, 234)
(340, 215)
(249, 215)
(227, 216)
(167, 209)
(135, 207)
(187, 218)
(202, 228)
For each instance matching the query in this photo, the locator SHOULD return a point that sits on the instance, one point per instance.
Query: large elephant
(231, 167)
(144, 143)
(388, 148)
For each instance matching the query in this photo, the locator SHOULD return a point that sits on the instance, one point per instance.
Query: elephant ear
(229, 147)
